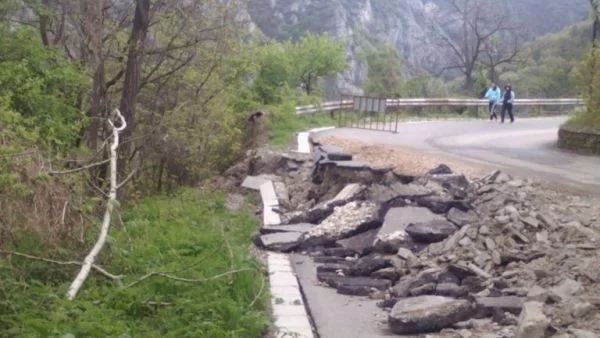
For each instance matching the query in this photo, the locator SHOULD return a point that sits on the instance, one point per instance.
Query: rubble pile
(447, 257)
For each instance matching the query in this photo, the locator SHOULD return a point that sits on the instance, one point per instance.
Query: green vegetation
(283, 128)
(43, 86)
(186, 262)
(587, 78)
(548, 63)
(585, 121)
(387, 77)
(317, 56)
(283, 66)
(189, 235)
(288, 75)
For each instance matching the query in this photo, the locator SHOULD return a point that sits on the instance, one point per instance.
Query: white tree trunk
(89, 260)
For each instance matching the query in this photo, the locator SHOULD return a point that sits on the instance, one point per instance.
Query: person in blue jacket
(493, 95)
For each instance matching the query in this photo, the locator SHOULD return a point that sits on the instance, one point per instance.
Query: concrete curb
(289, 312)
(304, 139)
(583, 142)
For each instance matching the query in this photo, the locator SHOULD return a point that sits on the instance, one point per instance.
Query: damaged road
(441, 255)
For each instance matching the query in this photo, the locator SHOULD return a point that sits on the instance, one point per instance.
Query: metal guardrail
(324, 107)
(434, 102)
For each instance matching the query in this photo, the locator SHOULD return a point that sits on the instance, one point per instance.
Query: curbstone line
(270, 202)
(289, 312)
(304, 142)
(254, 182)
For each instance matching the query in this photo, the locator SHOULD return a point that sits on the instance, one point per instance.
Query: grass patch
(585, 121)
(190, 235)
(283, 127)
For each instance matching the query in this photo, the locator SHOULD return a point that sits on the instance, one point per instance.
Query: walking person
(493, 95)
(507, 103)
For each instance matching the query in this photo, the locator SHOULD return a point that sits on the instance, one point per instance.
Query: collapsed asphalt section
(442, 255)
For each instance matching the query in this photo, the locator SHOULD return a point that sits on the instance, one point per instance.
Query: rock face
(403, 24)
(427, 314)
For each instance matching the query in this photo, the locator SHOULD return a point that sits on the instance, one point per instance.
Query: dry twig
(185, 280)
(48, 260)
(85, 167)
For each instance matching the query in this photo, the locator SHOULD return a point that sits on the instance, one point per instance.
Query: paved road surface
(526, 147)
(335, 315)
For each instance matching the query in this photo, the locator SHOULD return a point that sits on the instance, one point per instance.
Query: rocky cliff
(405, 24)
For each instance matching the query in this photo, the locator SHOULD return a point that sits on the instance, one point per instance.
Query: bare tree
(466, 29)
(498, 51)
(137, 39)
(147, 57)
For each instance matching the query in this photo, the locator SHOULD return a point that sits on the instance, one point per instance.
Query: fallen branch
(85, 167)
(185, 280)
(259, 293)
(64, 213)
(231, 258)
(88, 262)
(157, 304)
(129, 177)
(48, 260)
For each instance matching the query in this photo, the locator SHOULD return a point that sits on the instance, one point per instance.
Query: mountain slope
(404, 24)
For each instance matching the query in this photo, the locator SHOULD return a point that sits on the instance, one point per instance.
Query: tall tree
(499, 51)
(316, 56)
(384, 72)
(135, 45)
(466, 29)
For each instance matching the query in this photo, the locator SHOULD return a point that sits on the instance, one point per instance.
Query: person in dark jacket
(507, 103)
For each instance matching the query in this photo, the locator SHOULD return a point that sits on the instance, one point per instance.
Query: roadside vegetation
(176, 262)
(186, 271)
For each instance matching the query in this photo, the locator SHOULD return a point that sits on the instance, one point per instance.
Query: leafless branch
(115, 79)
(127, 179)
(172, 71)
(78, 169)
(185, 280)
(475, 27)
(47, 260)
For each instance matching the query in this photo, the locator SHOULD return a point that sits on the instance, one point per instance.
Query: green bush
(189, 235)
(42, 86)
